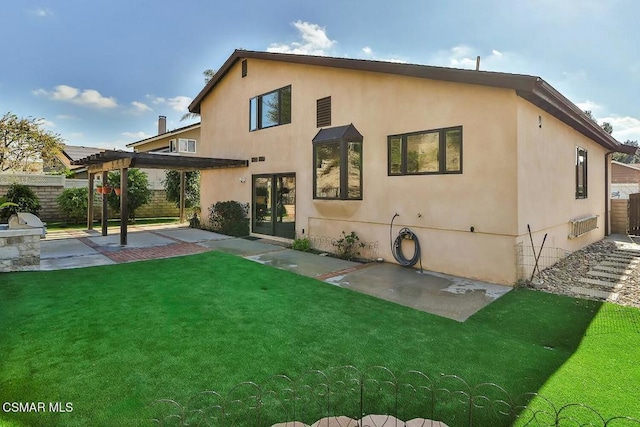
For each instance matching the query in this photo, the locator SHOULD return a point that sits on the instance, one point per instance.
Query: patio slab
(142, 239)
(241, 247)
(64, 248)
(444, 295)
(306, 264)
(74, 262)
(191, 235)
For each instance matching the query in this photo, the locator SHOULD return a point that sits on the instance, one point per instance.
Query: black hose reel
(396, 246)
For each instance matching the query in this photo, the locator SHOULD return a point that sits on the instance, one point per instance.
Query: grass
(53, 226)
(111, 340)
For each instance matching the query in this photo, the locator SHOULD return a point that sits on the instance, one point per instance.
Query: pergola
(114, 159)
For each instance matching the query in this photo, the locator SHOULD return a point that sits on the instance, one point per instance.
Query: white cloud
(370, 54)
(178, 103)
(40, 12)
(624, 127)
(136, 135)
(87, 97)
(66, 117)
(463, 56)
(46, 123)
(589, 106)
(141, 107)
(314, 41)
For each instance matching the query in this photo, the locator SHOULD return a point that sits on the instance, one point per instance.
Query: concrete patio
(443, 295)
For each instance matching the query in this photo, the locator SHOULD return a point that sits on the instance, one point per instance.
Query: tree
(208, 75)
(627, 158)
(606, 126)
(192, 188)
(618, 157)
(23, 143)
(138, 192)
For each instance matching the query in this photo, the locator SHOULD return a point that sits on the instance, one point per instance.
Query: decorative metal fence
(374, 397)
(525, 258)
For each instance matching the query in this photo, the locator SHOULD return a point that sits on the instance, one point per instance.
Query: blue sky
(100, 73)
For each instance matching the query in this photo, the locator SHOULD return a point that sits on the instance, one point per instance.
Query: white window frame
(182, 145)
(185, 145)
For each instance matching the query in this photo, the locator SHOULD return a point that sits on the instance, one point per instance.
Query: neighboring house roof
(533, 89)
(170, 133)
(634, 166)
(75, 152)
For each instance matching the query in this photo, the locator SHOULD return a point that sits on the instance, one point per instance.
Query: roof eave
(550, 100)
(163, 135)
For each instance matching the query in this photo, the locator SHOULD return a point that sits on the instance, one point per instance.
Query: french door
(274, 205)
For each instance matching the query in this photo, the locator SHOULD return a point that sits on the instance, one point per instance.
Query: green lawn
(112, 340)
(55, 226)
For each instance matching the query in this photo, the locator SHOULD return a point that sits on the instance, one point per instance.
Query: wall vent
(244, 68)
(323, 112)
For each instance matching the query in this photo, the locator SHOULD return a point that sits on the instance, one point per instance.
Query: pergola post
(182, 195)
(105, 207)
(124, 212)
(90, 203)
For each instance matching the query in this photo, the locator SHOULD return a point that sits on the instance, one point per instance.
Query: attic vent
(581, 226)
(244, 68)
(323, 114)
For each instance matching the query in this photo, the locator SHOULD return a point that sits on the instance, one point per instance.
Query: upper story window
(337, 159)
(437, 151)
(270, 109)
(182, 145)
(581, 173)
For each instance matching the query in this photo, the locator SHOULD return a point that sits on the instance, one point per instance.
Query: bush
(230, 218)
(73, 202)
(348, 245)
(301, 244)
(171, 184)
(138, 192)
(25, 199)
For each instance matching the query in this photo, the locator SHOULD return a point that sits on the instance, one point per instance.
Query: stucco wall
(440, 209)
(500, 132)
(547, 180)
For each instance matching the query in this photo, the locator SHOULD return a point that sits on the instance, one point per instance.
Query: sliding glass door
(274, 205)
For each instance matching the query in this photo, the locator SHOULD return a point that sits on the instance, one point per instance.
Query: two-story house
(466, 159)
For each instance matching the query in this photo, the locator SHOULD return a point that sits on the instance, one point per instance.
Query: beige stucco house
(181, 141)
(467, 159)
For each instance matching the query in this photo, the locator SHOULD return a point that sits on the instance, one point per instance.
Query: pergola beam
(108, 160)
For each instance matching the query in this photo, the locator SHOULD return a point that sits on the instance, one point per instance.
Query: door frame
(272, 229)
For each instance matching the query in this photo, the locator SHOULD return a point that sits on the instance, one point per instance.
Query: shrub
(348, 245)
(171, 184)
(73, 202)
(24, 198)
(138, 192)
(230, 218)
(301, 244)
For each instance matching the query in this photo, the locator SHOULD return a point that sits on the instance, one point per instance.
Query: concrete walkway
(448, 296)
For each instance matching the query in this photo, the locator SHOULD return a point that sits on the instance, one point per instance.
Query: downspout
(606, 193)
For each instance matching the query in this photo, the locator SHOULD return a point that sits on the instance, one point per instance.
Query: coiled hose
(396, 246)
